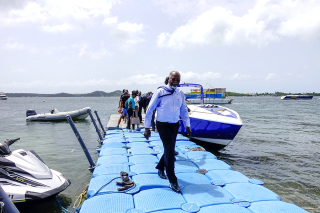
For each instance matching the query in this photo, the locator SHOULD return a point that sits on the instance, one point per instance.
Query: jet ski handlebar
(10, 142)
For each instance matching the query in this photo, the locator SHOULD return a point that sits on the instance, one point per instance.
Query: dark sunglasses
(175, 79)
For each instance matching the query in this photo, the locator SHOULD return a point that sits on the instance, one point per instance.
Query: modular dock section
(208, 185)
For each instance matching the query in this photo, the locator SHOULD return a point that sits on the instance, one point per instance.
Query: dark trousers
(139, 114)
(130, 113)
(168, 134)
(153, 125)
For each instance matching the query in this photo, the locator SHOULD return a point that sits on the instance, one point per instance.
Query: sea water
(278, 144)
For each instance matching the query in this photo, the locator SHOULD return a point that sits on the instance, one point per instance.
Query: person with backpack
(170, 104)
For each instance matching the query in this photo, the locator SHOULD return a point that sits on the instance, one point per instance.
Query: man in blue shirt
(170, 105)
(131, 108)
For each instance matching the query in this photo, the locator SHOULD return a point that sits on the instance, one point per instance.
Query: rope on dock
(57, 202)
(80, 198)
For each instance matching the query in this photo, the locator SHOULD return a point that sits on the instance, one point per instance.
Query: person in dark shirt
(153, 124)
(124, 113)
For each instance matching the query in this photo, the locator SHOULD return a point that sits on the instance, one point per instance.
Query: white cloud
(56, 15)
(58, 28)
(174, 7)
(14, 45)
(238, 76)
(127, 34)
(86, 52)
(267, 21)
(139, 79)
(153, 80)
(110, 20)
(192, 76)
(271, 76)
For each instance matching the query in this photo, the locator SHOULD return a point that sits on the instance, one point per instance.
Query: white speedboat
(55, 115)
(210, 123)
(3, 96)
(25, 177)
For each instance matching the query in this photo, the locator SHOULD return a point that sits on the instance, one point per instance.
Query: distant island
(270, 94)
(116, 93)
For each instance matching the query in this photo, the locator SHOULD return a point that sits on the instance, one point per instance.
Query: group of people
(131, 105)
(169, 104)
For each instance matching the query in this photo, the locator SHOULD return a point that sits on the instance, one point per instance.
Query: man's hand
(189, 133)
(147, 133)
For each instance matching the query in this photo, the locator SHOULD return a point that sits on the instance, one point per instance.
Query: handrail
(194, 85)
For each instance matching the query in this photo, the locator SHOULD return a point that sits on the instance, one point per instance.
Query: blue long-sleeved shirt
(168, 107)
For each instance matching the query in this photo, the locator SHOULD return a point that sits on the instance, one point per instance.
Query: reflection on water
(278, 144)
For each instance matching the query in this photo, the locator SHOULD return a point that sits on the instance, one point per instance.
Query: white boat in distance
(55, 115)
(3, 96)
(297, 97)
(209, 96)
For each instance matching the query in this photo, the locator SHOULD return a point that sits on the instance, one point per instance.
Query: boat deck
(207, 184)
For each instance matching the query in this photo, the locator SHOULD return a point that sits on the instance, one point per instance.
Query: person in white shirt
(169, 102)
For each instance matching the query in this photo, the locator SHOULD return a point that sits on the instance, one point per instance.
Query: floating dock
(208, 185)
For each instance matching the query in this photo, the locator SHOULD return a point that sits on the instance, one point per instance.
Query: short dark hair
(173, 72)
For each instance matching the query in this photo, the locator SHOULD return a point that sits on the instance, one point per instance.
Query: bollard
(95, 125)
(104, 132)
(84, 148)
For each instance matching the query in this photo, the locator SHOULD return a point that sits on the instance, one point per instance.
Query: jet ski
(25, 177)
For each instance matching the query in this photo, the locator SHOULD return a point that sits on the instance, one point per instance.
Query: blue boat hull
(211, 131)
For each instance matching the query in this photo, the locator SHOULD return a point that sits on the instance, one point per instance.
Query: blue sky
(79, 46)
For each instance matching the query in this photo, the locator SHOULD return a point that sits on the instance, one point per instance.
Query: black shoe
(176, 153)
(161, 174)
(175, 187)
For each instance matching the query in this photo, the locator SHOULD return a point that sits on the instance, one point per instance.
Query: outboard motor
(30, 112)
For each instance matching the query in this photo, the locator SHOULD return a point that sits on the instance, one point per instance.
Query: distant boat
(3, 96)
(210, 96)
(297, 97)
(55, 115)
